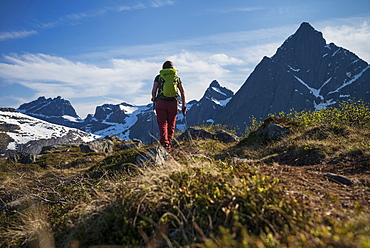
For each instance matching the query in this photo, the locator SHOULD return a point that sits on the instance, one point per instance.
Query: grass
(278, 197)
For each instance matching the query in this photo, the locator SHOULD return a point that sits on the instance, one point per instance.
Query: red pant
(166, 118)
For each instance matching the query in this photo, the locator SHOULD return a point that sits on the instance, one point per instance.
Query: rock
(242, 160)
(200, 133)
(342, 179)
(113, 138)
(100, 145)
(273, 131)
(226, 137)
(135, 143)
(21, 157)
(47, 149)
(155, 156)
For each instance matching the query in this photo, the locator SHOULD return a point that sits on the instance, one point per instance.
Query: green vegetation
(255, 193)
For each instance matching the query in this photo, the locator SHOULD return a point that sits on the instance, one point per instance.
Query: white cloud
(352, 34)
(50, 76)
(160, 3)
(16, 35)
(225, 10)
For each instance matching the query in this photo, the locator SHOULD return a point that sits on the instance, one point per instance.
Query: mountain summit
(55, 110)
(213, 101)
(304, 74)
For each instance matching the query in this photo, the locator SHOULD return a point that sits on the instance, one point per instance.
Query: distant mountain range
(304, 74)
(125, 120)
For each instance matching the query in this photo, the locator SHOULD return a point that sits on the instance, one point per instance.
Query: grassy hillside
(254, 193)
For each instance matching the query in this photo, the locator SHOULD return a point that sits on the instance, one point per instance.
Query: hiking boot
(168, 147)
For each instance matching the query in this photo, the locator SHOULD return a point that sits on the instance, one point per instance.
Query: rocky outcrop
(272, 131)
(156, 156)
(100, 145)
(21, 157)
(127, 144)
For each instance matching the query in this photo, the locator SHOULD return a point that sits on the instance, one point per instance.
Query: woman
(166, 103)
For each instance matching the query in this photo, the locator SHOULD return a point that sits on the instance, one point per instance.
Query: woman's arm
(183, 100)
(154, 90)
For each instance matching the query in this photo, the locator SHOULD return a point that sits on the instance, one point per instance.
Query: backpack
(168, 82)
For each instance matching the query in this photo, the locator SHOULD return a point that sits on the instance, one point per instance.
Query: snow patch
(337, 51)
(293, 69)
(218, 90)
(31, 128)
(128, 109)
(324, 105)
(222, 102)
(72, 119)
(315, 92)
(350, 81)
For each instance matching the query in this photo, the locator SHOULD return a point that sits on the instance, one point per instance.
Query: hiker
(165, 97)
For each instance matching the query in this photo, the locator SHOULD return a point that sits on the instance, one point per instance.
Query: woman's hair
(167, 64)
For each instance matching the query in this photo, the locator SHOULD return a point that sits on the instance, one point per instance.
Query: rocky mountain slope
(305, 73)
(213, 101)
(57, 111)
(29, 134)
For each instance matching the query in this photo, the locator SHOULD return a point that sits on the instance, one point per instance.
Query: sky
(93, 52)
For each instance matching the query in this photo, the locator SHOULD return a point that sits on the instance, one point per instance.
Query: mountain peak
(49, 107)
(305, 25)
(305, 35)
(216, 91)
(307, 42)
(215, 84)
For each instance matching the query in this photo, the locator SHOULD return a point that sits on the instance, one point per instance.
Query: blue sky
(93, 52)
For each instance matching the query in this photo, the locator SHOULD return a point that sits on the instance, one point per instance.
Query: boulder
(226, 137)
(135, 143)
(155, 156)
(21, 157)
(272, 131)
(100, 145)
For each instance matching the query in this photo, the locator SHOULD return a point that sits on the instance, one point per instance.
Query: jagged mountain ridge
(128, 121)
(304, 74)
(57, 110)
